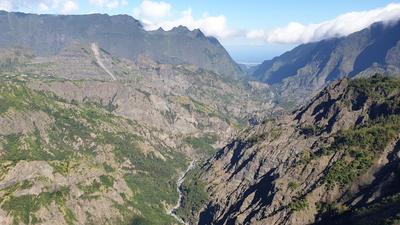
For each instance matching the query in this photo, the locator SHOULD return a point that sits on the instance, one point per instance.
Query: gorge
(105, 122)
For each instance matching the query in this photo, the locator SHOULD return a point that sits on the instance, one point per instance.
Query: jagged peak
(347, 103)
(180, 28)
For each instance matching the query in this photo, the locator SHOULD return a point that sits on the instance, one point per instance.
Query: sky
(251, 30)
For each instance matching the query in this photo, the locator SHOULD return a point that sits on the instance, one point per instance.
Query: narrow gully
(179, 183)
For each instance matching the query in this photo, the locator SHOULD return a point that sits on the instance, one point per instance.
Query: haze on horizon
(270, 29)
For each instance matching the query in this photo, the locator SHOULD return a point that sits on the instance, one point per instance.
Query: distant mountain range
(312, 66)
(121, 35)
(296, 73)
(100, 118)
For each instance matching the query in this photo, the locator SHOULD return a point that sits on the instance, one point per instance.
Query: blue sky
(251, 30)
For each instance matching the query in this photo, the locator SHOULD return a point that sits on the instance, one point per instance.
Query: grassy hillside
(76, 163)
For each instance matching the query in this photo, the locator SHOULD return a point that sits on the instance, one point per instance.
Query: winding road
(179, 183)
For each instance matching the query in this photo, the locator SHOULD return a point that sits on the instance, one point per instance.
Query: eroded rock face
(178, 101)
(77, 163)
(332, 155)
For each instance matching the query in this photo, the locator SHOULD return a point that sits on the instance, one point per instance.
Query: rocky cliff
(121, 35)
(333, 161)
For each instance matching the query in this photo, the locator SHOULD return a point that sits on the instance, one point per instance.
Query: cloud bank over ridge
(158, 14)
(345, 24)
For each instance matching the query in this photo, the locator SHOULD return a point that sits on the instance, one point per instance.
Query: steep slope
(71, 163)
(334, 161)
(80, 147)
(311, 66)
(187, 105)
(121, 35)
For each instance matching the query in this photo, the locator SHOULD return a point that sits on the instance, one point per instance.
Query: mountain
(312, 66)
(102, 122)
(248, 69)
(64, 162)
(121, 35)
(87, 137)
(180, 100)
(333, 161)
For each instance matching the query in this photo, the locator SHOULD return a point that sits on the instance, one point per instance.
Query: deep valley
(105, 122)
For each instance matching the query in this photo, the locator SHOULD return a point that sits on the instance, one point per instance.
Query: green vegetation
(359, 148)
(90, 189)
(299, 204)
(193, 105)
(331, 209)
(271, 135)
(157, 183)
(24, 207)
(310, 130)
(69, 125)
(107, 181)
(377, 87)
(62, 167)
(108, 168)
(306, 157)
(151, 192)
(195, 195)
(203, 144)
(292, 185)
(258, 137)
(75, 132)
(384, 211)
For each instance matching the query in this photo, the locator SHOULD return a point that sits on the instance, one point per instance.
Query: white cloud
(43, 7)
(157, 14)
(340, 26)
(5, 5)
(110, 4)
(150, 11)
(70, 6)
(64, 6)
(255, 34)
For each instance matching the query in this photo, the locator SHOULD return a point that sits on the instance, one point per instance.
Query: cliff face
(335, 159)
(121, 35)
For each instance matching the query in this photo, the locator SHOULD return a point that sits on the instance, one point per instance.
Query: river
(179, 183)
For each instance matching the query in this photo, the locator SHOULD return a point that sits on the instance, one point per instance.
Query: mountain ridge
(309, 67)
(121, 35)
